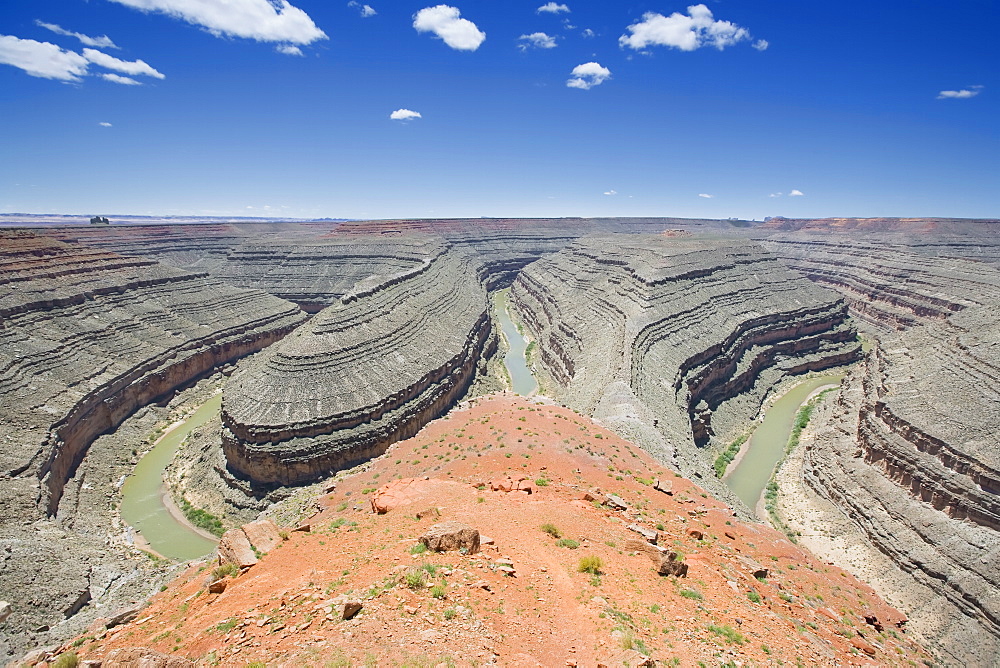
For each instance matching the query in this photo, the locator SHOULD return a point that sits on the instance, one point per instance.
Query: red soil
(547, 614)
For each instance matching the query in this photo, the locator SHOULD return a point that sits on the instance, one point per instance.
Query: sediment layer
(675, 342)
(890, 288)
(395, 353)
(911, 456)
(86, 338)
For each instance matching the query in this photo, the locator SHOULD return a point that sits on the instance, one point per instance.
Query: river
(142, 495)
(751, 473)
(522, 379)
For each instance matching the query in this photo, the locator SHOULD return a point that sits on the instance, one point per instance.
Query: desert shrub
(590, 564)
(691, 594)
(437, 591)
(415, 578)
(754, 597)
(552, 530)
(568, 543)
(66, 660)
(419, 548)
(728, 632)
(225, 570)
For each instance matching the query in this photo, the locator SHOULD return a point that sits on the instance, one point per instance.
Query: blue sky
(721, 109)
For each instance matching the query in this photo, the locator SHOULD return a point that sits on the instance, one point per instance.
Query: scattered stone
(430, 512)
(235, 548)
(218, 586)
(649, 534)
(667, 562)
(615, 502)
(123, 616)
(263, 535)
(511, 484)
(143, 657)
(448, 536)
(304, 528)
(344, 607)
(664, 486)
(5, 611)
(697, 535)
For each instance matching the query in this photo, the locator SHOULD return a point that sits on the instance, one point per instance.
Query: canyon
(335, 340)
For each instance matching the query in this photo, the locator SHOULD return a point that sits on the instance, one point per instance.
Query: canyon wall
(911, 454)
(396, 351)
(86, 338)
(675, 342)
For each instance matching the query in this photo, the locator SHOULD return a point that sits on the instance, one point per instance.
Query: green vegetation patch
(723, 461)
(202, 518)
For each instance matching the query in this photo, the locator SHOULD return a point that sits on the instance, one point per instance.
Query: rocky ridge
(396, 352)
(675, 342)
(542, 491)
(86, 338)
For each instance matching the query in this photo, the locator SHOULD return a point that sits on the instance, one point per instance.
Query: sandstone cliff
(675, 342)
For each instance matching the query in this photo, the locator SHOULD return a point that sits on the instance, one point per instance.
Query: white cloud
(776, 194)
(104, 124)
(289, 50)
(686, 32)
(538, 40)
(366, 10)
(611, 192)
(444, 22)
(134, 67)
(103, 41)
(260, 20)
(42, 59)
(796, 193)
(587, 32)
(118, 79)
(705, 195)
(963, 94)
(404, 115)
(552, 8)
(588, 75)
(761, 44)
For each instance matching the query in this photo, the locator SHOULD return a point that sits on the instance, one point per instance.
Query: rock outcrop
(86, 338)
(910, 455)
(674, 342)
(394, 353)
(890, 288)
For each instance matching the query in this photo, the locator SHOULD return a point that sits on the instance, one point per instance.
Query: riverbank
(522, 380)
(821, 527)
(146, 503)
(751, 470)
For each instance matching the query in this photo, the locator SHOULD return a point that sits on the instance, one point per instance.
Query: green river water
(142, 495)
(767, 445)
(517, 366)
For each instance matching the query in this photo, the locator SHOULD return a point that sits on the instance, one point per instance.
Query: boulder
(512, 484)
(344, 607)
(615, 502)
(143, 657)
(664, 486)
(5, 611)
(263, 535)
(218, 586)
(451, 535)
(667, 562)
(649, 534)
(235, 548)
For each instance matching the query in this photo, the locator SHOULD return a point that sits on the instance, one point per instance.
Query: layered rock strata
(890, 288)
(86, 338)
(675, 342)
(911, 456)
(394, 353)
